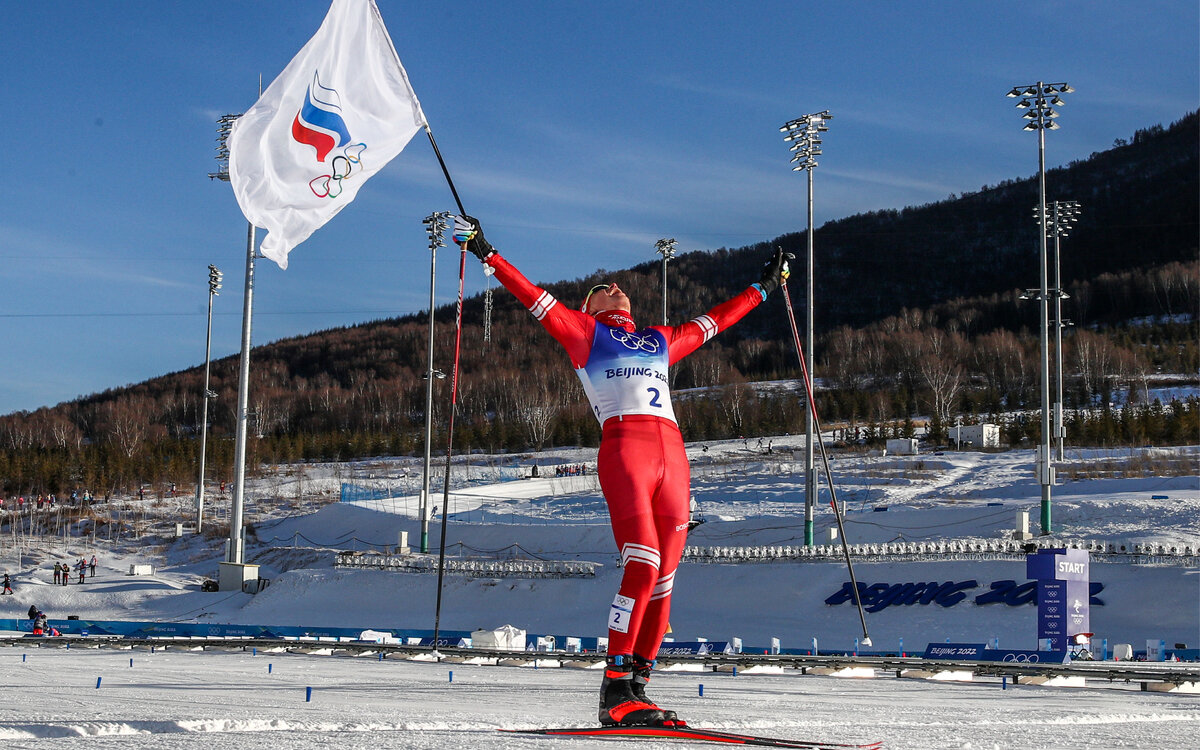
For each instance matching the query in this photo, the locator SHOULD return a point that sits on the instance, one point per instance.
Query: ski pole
(462, 272)
(833, 502)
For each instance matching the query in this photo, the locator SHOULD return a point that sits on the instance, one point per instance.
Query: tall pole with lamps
(1038, 101)
(214, 283)
(435, 226)
(665, 248)
(234, 571)
(804, 133)
(1063, 214)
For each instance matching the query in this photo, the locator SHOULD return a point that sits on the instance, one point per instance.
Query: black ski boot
(618, 704)
(641, 677)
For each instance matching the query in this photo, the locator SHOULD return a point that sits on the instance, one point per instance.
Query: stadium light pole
(214, 283)
(1063, 214)
(1040, 113)
(665, 248)
(435, 227)
(234, 560)
(804, 133)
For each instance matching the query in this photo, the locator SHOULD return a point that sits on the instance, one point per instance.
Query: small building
(902, 446)
(977, 435)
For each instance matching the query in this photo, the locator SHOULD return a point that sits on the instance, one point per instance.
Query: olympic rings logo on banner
(330, 185)
(1022, 658)
(633, 341)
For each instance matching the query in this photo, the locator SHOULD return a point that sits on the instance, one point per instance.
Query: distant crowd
(573, 470)
(41, 502)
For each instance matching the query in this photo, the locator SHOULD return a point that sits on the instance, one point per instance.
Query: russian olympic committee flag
(339, 112)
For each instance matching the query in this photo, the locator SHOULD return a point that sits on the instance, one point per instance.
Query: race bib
(620, 613)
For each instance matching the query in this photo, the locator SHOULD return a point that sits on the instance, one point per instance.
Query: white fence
(469, 568)
(990, 548)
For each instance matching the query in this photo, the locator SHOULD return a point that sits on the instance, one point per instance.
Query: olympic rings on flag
(343, 167)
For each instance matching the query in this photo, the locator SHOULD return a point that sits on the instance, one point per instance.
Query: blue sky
(579, 133)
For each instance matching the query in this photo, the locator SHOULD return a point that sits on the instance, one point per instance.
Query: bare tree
(537, 401)
(938, 363)
(843, 363)
(1000, 358)
(127, 425)
(1093, 358)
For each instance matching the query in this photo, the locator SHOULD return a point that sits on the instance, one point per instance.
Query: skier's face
(608, 297)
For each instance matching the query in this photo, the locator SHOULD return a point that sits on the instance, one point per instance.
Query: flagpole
(438, 153)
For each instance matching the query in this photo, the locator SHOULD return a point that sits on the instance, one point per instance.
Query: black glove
(776, 270)
(468, 233)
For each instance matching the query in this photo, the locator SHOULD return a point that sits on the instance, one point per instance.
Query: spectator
(92, 567)
(33, 611)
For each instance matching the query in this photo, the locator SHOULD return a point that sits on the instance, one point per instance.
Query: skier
(82, 566)
(92, 567)
(7, 584)
(39, 624)
(642, 464)
(57, 572)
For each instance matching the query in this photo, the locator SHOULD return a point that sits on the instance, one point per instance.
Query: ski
(692, 734)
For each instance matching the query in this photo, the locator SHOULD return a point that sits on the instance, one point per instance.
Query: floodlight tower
(214, 283)
(665, 248)
(234, 571)
(1063, 214)
(804, 133)
(435, 226)
(1040, 113)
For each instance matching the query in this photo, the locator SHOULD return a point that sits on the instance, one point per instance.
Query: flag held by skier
(336, 115)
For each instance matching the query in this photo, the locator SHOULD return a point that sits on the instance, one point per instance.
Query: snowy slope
(747, 496)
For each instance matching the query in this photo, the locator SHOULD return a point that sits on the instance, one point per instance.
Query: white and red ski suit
(642, 464)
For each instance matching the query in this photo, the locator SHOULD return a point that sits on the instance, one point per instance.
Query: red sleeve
(571, 328)
(687, 338)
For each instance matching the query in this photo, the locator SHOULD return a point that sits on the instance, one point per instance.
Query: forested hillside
(916, 311)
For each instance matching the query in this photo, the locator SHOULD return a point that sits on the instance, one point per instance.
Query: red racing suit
(642, 464)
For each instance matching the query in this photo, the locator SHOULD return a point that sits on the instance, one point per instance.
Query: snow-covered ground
(749, 493)
(183, 700)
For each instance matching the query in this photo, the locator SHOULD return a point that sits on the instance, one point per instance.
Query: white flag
(340, 110)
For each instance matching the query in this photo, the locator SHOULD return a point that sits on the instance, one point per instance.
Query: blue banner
(1063, 594)
(1026, 657)
(967, 651)
(694, 648)
(212, 630)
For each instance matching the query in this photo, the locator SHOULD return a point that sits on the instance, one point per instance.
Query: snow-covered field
(748, 493)
(236, 700)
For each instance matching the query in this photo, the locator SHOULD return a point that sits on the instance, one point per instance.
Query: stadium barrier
(469, 568)
(992, 549)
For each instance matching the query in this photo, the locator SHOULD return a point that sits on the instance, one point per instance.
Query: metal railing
(1104, 551)
(469, 568)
